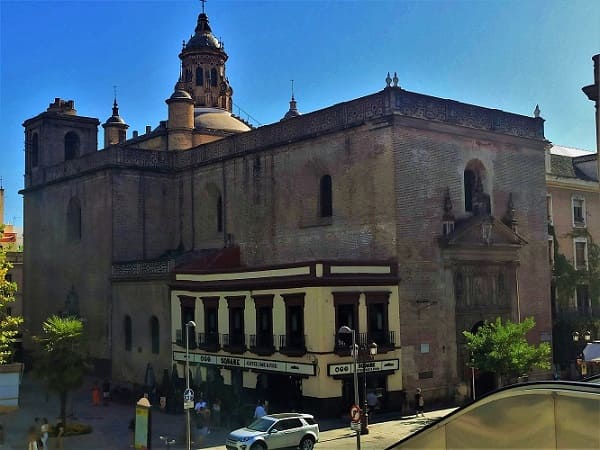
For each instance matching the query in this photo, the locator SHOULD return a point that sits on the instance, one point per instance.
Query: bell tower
(203, 68)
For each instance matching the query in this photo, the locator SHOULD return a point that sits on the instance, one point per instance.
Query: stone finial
(536, 111)
(388, 80)
(395, 79)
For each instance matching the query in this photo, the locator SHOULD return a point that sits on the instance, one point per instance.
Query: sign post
(143, 422)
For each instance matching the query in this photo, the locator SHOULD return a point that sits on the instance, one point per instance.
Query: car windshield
(260, 425)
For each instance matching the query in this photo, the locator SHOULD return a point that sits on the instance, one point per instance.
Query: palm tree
(61, 362)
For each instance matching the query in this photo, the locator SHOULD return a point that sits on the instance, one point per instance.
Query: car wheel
(307, 443)
(258, 446)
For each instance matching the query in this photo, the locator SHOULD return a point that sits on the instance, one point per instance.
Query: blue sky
(509, 55)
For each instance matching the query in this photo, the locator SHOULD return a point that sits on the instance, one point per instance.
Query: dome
(180, 94)
(203, 37)
(218, 119)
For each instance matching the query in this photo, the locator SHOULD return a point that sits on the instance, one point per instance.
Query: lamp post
(191, 323)
(587, 337)
(347, 330)
(366, 356)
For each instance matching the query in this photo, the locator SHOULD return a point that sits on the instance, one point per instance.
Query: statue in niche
(481, 200)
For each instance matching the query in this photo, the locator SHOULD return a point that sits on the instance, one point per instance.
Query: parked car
(285, 430)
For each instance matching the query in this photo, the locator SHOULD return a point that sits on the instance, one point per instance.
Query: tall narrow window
(549, 209)
(583, 300)
(74, 219)
(469, 180)
(580, 253)
(213, 77)
(154, 334)
(578, 206)
(325, 197)
(199, 76)
(219, 213)
(35, 150)
(128, 333)
(377, 317)
(71, 145)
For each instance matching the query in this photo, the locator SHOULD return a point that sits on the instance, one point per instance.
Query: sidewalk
(110, 424)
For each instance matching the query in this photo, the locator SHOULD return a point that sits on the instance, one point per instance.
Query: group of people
(39, 434)
(96, 393)
(206, 417)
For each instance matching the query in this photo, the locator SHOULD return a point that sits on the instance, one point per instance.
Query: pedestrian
(95, 394)
(216, 413)
(372, 402)
(106, 391)
(32, 438)
(44, 429)
(202, 423)
(419, 403)
(132, 431)
(259, 411)
(60, 432)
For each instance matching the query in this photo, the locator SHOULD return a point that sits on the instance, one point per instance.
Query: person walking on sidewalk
(95, 394)
(45, 428)
(419, 403)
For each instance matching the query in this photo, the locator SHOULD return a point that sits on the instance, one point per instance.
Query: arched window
(35, 150)
(74, 219)
(213, 77)
(469, 179)
(325, 198)
(154, 334)
(199, 76)
(128, 333)
(219, 213)
(71, 145)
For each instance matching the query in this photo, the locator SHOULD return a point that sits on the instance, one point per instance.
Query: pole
(364, 419)
(356, 399)
(473, 381)
(187, 385)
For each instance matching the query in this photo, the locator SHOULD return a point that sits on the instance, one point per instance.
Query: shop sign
(231, 362)
(369, 366)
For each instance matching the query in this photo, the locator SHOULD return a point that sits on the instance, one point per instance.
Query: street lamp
(347, 330)
(587, 337)
(366, 356)
(191, 323)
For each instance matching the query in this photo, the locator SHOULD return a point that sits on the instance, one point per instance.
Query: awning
(591, 352)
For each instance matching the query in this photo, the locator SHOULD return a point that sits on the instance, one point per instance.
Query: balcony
(385, 340)
(180, 339)
(234, 342)
(262, 344)
(292, 344)
(209, 342)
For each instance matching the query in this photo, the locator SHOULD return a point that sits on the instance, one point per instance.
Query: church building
(399, 218)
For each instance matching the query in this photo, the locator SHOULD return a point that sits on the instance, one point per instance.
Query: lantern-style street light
(190, 324)
(367, 354)
(347, 330)
(587, 337)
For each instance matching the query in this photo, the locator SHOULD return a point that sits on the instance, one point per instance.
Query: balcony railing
(262, 344)
(180, 338)
(385, 340)
(234, 342)
(292, 344)
(209, 341)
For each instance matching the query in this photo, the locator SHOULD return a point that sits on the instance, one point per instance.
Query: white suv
(273, 431)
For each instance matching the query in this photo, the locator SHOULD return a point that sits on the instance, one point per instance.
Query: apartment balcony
(292, 344)
(262, 344)
(234, 342)
(385, 340)
(180, 339)
(209, 342)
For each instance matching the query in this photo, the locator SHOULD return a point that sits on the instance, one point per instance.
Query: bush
(73, 429)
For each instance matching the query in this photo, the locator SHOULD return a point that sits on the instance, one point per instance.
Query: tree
(61, 362)
(503, 349)
(9, 324)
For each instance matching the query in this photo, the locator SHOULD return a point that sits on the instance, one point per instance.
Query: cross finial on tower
(203, 2)
(292, 81)
(115, 92)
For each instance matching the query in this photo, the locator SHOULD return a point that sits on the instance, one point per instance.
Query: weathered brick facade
(391, 157)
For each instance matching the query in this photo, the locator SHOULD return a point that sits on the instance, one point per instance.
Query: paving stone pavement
(110, 424)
